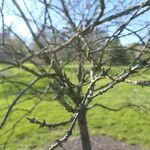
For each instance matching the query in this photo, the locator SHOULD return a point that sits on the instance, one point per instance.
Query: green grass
(128, 125)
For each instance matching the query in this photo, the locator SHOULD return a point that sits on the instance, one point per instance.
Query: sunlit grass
(128, 124)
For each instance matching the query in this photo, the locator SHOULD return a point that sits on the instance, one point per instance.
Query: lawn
(129, 125)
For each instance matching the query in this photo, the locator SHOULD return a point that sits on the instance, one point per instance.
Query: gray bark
(84, 134)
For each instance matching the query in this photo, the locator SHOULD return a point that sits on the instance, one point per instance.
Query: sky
(20, 27)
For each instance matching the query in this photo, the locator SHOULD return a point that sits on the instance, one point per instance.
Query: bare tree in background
(82, 31)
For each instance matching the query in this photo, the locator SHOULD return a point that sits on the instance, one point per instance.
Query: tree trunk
(84, 134)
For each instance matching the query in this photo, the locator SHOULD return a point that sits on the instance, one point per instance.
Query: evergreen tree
(118, 54)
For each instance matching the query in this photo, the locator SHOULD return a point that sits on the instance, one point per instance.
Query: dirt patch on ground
(99, 143)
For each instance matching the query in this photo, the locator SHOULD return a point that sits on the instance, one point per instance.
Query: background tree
(69, 34)
(12, 48)
(118, 54)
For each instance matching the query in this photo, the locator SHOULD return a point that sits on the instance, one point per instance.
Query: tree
(76, 22)
(118, 53)
(11, 48)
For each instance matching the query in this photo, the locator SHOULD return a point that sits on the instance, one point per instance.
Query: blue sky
(20, 27)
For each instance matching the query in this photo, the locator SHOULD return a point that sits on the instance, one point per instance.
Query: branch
(45, 124)
(101, 13)
(12, 129)
(89, 91)
(64, 103)
(66, 12)
(51, 51)
(68, 134)
(116, 109)
(27, 22)
(15, 101)
(124, 12)
(124, 75)
(140, 83)
(7, 68)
